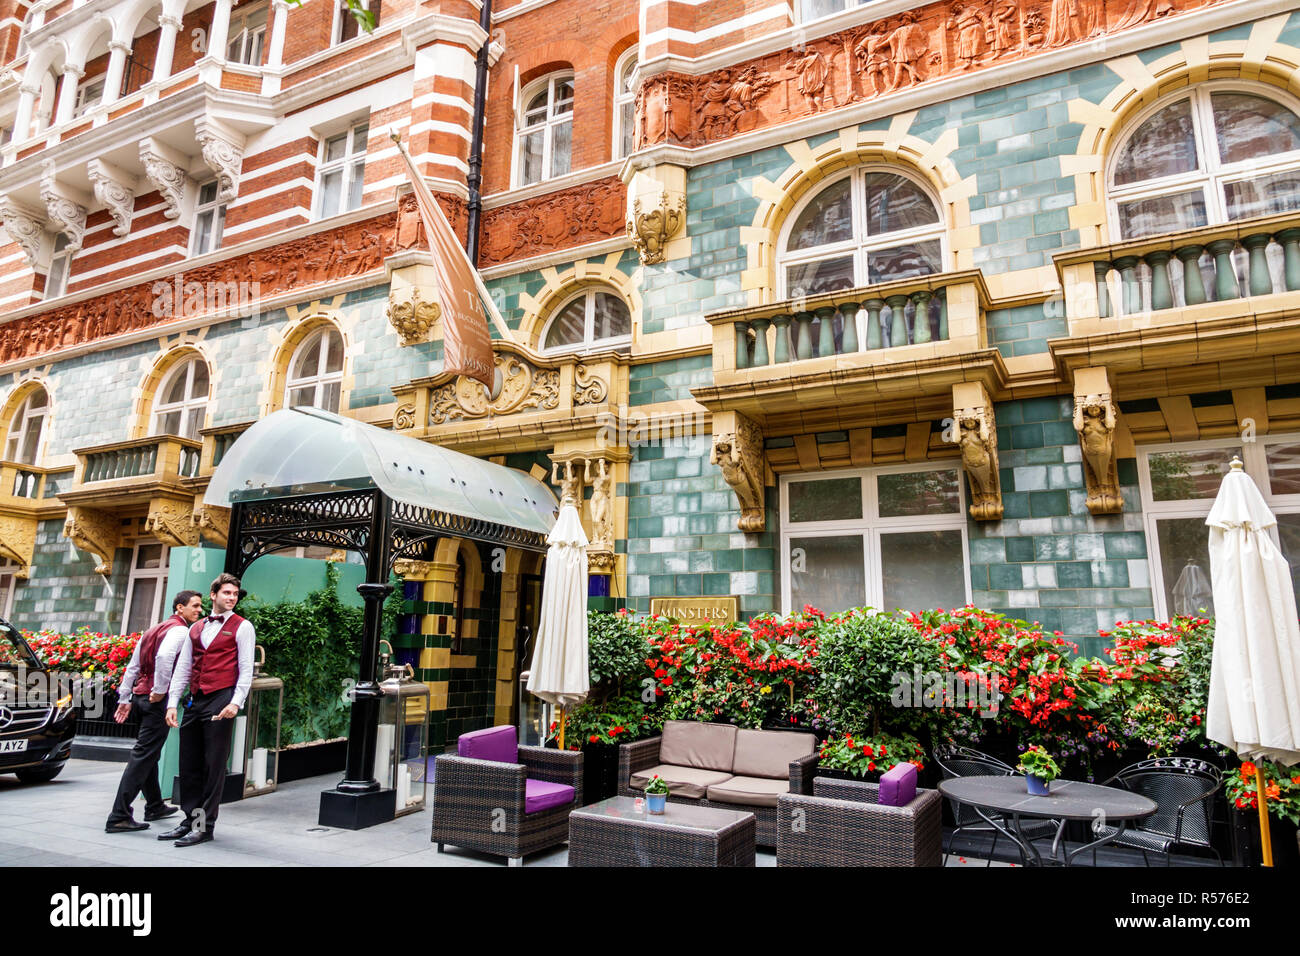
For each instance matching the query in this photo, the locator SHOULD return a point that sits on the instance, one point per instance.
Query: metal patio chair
(1183, 789)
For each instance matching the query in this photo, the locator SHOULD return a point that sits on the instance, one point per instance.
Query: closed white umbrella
(559, 672)
(1254, 704)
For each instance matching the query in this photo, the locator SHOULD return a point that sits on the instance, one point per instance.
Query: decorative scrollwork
(523, 386)
(404, 417)
(588, 388)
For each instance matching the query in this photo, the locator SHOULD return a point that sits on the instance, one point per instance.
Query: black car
(37, 717)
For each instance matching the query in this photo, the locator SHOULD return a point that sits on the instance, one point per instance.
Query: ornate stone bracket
(211, 522)
(588, 388)
(165, 169)
(67, 214)
(223, 152)
(1095, 419)
(116, 191)
(408, 569)
(96, 532)
(172, 522)
(18, 542)
(25, 226)
(653, 221)
(412, 313)
(738, 451)
(978, 437)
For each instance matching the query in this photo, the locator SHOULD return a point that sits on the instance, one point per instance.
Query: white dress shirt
(164, 661)
(245, 641)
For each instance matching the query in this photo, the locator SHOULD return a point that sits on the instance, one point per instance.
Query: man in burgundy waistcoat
(144, 686)
(217, 665)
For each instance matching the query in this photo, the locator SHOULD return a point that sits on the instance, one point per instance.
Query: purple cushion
(898, 786)
(540, 795)
(495, 743)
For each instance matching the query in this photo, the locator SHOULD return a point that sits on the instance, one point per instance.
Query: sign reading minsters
(696, 610)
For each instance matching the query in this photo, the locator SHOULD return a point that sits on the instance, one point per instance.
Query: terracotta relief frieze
(351, 250)
(570, 217)
(929, 43)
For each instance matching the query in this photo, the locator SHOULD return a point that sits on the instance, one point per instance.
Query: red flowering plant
(869, 756)
(1156, 688)
(1281, 789)
(84, 652)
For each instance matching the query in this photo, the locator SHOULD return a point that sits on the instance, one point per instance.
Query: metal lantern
(402, 738)
(533, 726)
(257, 730)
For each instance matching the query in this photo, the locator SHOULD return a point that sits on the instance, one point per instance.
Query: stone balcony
(25, 501)
(903, 340)
(1180, 300)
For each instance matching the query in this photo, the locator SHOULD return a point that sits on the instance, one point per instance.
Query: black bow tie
(216, 617)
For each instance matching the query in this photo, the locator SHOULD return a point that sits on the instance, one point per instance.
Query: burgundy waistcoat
(149, 645)
(216, 666)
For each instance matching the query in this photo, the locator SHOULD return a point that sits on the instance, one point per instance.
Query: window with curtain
(589, 319)
(181, 405)
(27, 428)
(544, 130)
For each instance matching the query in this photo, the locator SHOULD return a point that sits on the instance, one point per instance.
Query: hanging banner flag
(466, 341)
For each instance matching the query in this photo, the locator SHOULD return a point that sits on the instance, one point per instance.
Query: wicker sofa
(842, 824)
(724, 766)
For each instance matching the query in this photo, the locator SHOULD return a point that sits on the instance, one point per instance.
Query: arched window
(182, 402)
(316, 371)
(591, 318)
(624, 105)
(1209, 156)
(27, 428)
(870, 226)
(544, 130)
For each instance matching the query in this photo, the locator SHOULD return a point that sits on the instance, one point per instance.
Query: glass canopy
(302, 451)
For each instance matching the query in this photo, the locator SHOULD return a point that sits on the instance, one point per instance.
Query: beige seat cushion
(692, 743)
(768, 753)
(690, 782)
(749, 791)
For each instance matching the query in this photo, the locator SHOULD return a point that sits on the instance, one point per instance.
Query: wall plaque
(697, 610)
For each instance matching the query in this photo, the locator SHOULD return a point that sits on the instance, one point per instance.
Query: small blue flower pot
(1038, 787)
(655, 802)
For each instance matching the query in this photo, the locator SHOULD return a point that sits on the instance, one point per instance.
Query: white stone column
(72, 73)
(116, 67)
(219, 34)
(162, 64)
(23, 118)
(275, 55)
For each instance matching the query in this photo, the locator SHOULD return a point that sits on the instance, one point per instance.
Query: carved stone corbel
(25, 226)
(738, 451)
(18, 542)
(412, 314)
(96, 532)
(211, 522)
(978, 438)
(409, 569)
(1095, 419)
(404, 417)
(588, 387)
(653, 223)
(66, 211)
(172, 523)
(165, 169)
(115, 190)
(223, 152)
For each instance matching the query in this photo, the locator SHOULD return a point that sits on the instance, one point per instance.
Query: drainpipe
(474, 179)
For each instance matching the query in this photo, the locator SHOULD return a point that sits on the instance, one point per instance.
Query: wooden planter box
(312, 760)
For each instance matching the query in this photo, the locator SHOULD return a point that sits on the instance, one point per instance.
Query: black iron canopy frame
(382, 530)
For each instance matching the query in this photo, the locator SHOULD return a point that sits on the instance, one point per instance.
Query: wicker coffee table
(614, 833)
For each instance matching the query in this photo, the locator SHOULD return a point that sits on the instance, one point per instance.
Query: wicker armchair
(1183, 789)
(644, 754)
(842, 825)
(479, 804)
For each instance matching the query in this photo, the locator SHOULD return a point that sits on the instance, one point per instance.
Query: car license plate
(12, 746)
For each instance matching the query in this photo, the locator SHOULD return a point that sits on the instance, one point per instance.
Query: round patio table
(1006, 798)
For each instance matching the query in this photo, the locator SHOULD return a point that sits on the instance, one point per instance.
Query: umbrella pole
(562, 716)
(1266, 838)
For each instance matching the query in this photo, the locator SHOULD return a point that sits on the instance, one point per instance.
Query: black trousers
(205, 748)
(141, 773)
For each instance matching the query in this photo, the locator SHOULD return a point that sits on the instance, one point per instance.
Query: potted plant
(1039, 769)
(656, 794)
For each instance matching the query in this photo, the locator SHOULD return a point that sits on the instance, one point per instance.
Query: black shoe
(125, 826)
(194, 838)
(167, 811)
(176, 833)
